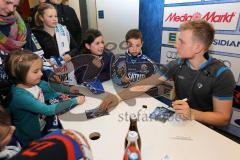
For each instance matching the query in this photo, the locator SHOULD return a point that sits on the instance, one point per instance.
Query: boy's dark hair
(88, 37)
(18, 64)
(134, 34)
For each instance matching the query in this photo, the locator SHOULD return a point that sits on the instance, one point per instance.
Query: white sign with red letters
(222, 16)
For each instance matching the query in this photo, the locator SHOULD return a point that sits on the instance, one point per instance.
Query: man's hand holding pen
(182, 108)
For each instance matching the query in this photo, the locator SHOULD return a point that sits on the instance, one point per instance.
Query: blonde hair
(18, 64)
(40, 12)
(202, 31)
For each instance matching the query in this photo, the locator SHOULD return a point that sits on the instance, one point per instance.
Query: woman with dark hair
(93, 44)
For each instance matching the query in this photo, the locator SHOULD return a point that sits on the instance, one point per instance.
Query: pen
(185, 99)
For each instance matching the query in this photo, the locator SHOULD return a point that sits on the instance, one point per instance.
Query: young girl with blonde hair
(29, 94)
(54, 38)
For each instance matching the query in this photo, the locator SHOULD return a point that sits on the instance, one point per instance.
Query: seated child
(9, 145)
(93, 43)
(133, 66)
(28, 95)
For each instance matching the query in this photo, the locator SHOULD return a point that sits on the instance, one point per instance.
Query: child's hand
(7, 137)
(67, 58)
(111, 100)
(50, 63)
(97, 62)
(80, 99)
(125, 79)
(121, 71)
(74, 89)
(55, 78)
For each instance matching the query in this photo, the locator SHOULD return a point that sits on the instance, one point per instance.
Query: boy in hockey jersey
(133, 66)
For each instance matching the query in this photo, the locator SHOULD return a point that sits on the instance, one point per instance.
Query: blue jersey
(134, 68)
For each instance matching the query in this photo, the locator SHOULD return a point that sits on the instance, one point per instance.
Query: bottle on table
(132, 151)
(133, 127)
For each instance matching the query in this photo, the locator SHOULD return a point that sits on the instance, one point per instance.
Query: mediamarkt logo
(211, 17)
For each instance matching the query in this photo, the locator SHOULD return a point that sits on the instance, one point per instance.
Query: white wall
(92, 14)
(119, 17)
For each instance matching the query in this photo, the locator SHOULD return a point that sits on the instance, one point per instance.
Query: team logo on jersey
(121, 68)
(144, 68)
(134, 77)
(199, 85)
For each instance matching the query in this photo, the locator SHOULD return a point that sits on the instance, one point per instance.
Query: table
(181, 140)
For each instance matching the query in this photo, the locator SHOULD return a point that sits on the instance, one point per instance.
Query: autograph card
(96, 112)
(161, 114)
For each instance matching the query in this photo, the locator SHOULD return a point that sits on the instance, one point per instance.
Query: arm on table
(139, 88)
(220, 115)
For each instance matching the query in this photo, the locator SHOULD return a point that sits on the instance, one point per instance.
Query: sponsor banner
(222, 16)
(169, 37)
(231, 62)
(226, 43)
(222, 42)
(180, 1)
(168, 54)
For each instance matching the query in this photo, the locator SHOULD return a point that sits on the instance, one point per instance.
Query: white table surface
(181, 140)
